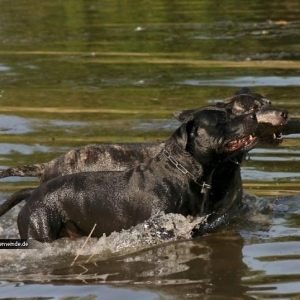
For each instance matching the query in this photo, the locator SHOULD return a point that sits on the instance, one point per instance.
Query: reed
(85, 242)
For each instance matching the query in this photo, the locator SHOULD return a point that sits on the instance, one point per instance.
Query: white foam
(157, 230)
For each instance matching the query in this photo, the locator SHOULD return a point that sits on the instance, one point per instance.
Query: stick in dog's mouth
(246, 142)
(275, 138)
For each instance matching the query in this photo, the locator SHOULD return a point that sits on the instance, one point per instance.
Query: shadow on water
(212, 265)
(185, 269)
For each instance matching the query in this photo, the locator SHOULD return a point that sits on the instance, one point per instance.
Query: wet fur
(119, 200)
(120, 157)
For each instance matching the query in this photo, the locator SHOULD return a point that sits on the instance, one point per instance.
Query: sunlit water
(76, 72)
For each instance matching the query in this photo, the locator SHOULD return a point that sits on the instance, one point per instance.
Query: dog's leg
(14, 199)
(70, 230)
(39, 224)
(23, 171)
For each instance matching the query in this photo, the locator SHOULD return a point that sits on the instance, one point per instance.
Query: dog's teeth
(274, 135)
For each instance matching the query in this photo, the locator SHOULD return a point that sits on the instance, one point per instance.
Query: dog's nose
(284, 114)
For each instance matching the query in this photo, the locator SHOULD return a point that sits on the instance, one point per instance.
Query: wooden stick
(85, 242)
(292, 126)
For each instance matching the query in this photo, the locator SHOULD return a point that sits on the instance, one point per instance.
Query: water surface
(77, 72)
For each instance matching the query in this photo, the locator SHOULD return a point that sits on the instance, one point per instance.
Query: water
(76, 72)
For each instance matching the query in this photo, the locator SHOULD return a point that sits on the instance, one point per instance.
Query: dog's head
(245, 102)
(214, 135)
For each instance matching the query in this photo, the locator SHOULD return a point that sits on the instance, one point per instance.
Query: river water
(80, 72)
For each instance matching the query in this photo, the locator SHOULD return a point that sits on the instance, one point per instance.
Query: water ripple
(246, 81)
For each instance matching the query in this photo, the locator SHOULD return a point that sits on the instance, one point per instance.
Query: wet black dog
(124, 156)
(175, 181)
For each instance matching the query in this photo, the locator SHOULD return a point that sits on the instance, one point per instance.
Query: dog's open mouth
(246, 143)
(275, 138)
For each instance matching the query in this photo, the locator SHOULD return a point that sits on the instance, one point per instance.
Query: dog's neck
(186, 164)
(240, 158)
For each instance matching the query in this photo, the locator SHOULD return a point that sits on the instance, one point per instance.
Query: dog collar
(204, 186)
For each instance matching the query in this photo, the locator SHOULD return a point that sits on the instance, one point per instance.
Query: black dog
(175, 181)
(124, 156)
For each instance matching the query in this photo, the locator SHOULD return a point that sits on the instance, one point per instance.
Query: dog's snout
(284, 114)
(275, 116)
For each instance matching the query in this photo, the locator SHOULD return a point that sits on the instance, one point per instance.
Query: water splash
(159, 229)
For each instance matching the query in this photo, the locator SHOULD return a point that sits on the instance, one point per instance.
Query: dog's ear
(184, 133)
(230, 100)
(184, 115)
(243, 90)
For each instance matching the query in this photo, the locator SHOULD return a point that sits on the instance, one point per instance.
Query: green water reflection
(114, 68)
(79, 72)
